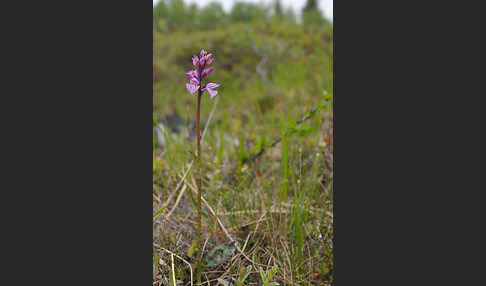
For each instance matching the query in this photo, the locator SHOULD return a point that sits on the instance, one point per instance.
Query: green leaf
(219, 254)
(158, 165)
(321, 105)
(272, 272)
(304, 130)
(158, 212)
(323, 270)
(327, 96)
(192, 249)
(264, 277)
(244, 272)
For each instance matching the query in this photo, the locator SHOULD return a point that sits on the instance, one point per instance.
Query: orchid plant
(196, 83)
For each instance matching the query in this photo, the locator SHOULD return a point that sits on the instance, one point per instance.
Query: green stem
(199, 189)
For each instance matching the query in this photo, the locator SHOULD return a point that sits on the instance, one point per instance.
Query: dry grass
(248, 211)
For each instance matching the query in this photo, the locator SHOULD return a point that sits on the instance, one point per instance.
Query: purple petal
(195, 60)
(189, 87)
(209, 59)
(192, 74)
(194, 81)
(192, 88)
(203, 53)
(212, 85)
(212, 92)
(207, 71)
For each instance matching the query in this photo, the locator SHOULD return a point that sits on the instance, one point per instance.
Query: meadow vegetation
(267, 155)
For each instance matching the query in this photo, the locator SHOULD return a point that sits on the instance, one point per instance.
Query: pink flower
(207, 71)
(192, 88)
(195, 60)
(192, 74)
(209, 59)
(201, 70)
(209, 87)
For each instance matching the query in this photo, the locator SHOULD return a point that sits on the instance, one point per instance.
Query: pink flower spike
(200, 72)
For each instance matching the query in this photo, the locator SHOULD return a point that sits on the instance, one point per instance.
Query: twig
(277, 139)
(288, 258)
(256, 228)
(178, 185)
(172, 253)
(273, 209)
(177, 201)
(245, 224)
(172, 266)
(204, 246)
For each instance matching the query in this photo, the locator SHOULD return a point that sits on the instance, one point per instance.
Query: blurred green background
(266, 57)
